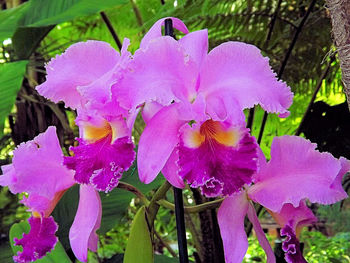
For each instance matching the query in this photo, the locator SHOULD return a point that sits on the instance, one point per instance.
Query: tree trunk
(340, 15)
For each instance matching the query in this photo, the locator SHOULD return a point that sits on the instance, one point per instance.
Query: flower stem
(153, 206)
(193, 209)
(135, 191)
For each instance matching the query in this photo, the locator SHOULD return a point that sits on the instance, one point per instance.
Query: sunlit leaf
(57, 255)
(64, 213)
(11, 75)
(139, 243)
(44, 13)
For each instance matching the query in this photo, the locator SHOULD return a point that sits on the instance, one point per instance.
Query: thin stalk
(153, 207)
(111, 29)
(195, 208)
(137, 13)
(135, 191)
(178, 198)
(165, 244)
(286, 58)
(318, 86)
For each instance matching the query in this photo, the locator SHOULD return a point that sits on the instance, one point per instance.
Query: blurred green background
(34, 31)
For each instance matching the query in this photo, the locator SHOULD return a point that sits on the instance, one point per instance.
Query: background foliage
(32, 32)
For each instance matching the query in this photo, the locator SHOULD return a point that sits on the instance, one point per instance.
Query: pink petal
(82, 234)
(99, 92)
(244, 72)
(38, 167)
(171, 170)
(296, 171)
(336, 188)
(231, 216)
(80, 65)
(212, 165)
(223, 106)
(8, 177)
(163, 57)
(291, 246)
(157, 142)
(149, 110)
(196, 45)
(300, 216)
(101, 163)
(264, 243)
(40, 239)
(156, 30)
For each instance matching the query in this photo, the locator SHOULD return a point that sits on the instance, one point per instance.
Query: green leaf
(139, 244)
(64, 214)
(114, 206)
(26, 39)
(11, 75)
(58, 254)
(165, 259)
(44, 13)
(9, 20)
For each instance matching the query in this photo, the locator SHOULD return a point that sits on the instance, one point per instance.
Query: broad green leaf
(139, 243)
(11, 76)
(17, 231)
(9, 20)
(44, 13)
(57, 255)
(64, 214)
(114, 207)
(26, 39)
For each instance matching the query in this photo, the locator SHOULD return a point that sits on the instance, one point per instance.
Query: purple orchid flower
(193, 108)
(296, 172)
(37, 170)
(82, 77)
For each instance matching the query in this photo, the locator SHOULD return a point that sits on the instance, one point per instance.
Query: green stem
(193, 209)
(135, 191)
(153, 207)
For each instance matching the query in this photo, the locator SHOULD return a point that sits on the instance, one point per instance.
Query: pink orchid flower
(296, 172)
(193, 108)
(82, 77)
(37, 169)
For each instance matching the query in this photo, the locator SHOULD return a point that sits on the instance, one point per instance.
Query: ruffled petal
(300, 216)
(291, 246)
(156, 30)
(223, 106)
(260, 234)
(218, 157)
(157, 142)
(231, 216)
(40, 239)
(99, 95)
(244, 72)
(165, 57)
(196, 45)
(80, 65)
(336, 188)
(82, 234)
(38, 168)
(101, 163)
(296, 171)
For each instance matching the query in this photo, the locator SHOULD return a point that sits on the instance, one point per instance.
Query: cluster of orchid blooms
(192, 103)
